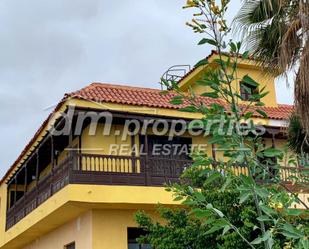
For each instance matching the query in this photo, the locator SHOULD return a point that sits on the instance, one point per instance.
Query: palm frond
(262, 28)
(264, 44)
(297, 139)
(255, 14)
(290, 45)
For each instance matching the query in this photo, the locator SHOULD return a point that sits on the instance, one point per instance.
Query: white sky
(49, 47)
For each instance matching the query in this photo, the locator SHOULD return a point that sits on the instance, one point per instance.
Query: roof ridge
(285, 105)
(93, 85)
(120, 86)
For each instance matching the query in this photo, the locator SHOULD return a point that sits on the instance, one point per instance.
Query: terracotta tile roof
(282, 112)
(137, 96)
(148, 97)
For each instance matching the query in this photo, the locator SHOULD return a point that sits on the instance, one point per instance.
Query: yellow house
(87, 170)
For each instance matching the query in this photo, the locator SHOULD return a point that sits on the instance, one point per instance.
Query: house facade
(100, 157)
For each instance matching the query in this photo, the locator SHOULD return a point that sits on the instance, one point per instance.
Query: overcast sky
(49, 47)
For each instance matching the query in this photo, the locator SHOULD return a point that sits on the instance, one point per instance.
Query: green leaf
(259, 240)
(266, 236)
(221, 63)
(238, 45)
(248, 115)
(213, 95)
(218, 224)
(249, 81)
(176, 102)
(164, 92)
(214, 229)
(209, 221)
(189, 109)
(290, 235)
(245, 55)
(201, 213)
(267, 210)
(256, 241)
(263, 218)
(262, 192)
(262, 95)
(272, 152)
(226, 183)
(199, 196)
(255, 97)
(178, 198)
(244, 196)
(259, 111)
(226, 229)
(291, 232)
(233, 47)
(212, 177)
(209, 41)
(293, 212)
(259, 103)
(189, 202)
(218, 212)
(305, 243)
(247, 180)
(202, 62)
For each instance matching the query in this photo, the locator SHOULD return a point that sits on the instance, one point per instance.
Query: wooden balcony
(113, 170)
(46, 187)
(99, 170)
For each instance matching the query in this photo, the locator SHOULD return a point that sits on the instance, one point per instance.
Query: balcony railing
(100, 170)
(114, 170)
(45, 188)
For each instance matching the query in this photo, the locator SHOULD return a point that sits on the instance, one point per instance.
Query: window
(70, 246)
(246, 91)
(133, 235)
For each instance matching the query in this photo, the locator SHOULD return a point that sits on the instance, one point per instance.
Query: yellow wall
(79, 230)
(3, 203)
(244, 67)
(100, 143)
(110, 227)
(73, 200)
(95, 229)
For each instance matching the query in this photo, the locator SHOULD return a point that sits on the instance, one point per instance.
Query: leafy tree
(184, 229)
(264, 218)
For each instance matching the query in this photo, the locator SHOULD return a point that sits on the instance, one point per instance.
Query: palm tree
(277, 33)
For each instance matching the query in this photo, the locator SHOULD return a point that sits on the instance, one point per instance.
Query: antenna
(175, 73)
